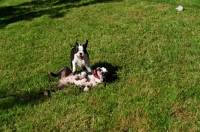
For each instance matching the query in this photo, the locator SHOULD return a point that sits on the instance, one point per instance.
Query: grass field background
(153, 48)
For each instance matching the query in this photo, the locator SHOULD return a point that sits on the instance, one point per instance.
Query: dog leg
(88, 68)
(86, 89)
(73, 67)
(52, 74)
(87, 84)
(80, 76)
(60, 86)
(63, 72)
(87, 65)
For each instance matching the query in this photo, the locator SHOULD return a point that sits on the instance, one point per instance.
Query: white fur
(82, 62)
(82, 79)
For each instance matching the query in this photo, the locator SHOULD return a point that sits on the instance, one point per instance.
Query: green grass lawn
(154, 49)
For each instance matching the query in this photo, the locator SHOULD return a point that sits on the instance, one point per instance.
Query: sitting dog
(80, 79)
(79, 56)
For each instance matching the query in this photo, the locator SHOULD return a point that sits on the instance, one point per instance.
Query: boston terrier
(79, 56)
(83, 79)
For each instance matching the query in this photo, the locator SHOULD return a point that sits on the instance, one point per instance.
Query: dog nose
(81, 54)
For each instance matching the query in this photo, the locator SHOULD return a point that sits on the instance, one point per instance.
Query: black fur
(63, 72)
(75, 50)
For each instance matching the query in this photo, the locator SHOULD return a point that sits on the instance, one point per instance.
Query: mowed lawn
(154, 49)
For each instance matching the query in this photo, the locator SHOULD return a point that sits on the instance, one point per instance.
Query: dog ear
(76, 43)
(86, 43)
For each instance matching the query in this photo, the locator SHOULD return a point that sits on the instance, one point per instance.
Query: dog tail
(53, 74)
(63, 72)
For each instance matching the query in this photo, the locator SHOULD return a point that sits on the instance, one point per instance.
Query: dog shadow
(112, 76)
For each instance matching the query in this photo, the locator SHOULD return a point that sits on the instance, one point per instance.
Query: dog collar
(95, 74)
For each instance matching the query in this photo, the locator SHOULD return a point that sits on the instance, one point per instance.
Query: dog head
(80, 49)
(101, 73)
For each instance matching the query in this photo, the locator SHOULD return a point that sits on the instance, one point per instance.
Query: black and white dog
(82, 79)
(79, 56)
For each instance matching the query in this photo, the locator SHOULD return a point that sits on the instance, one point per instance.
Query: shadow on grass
(15, 95)
(37, 96)
(38, 8)
(9, 101)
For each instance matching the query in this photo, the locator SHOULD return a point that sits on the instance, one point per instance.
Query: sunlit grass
(155, 48)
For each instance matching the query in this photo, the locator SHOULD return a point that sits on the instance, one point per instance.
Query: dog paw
(45, 93)
(49, 73)
(86, 89)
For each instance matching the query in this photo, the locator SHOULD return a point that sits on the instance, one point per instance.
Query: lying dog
(80, 79)
(79, 56)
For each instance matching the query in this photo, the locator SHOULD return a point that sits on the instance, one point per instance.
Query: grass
(154, 48)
